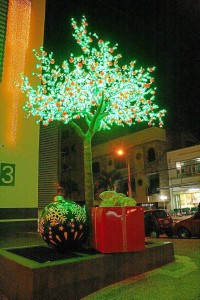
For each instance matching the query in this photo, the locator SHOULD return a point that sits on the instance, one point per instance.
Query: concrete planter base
(74, 278)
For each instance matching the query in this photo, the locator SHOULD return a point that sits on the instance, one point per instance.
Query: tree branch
(77, 128)
(93, 127)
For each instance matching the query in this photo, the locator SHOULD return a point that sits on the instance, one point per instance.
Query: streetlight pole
(129, 178)
(120, 152)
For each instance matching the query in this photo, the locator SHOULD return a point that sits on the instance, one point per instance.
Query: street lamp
(121, 152)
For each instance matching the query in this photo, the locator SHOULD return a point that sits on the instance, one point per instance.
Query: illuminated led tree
(93, 87)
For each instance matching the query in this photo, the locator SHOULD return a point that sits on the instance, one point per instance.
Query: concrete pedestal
(74, 278)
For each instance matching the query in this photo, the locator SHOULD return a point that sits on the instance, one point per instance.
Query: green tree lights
(92, 87)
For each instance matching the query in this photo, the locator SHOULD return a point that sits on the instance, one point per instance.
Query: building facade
(145, 152)
(21, 30)
(184, 179)
(153, 181)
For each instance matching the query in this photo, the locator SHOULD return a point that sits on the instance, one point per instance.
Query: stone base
(74, 278)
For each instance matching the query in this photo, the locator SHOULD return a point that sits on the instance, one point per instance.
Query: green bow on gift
(112, 198)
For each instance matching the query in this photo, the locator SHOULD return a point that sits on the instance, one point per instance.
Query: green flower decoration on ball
(63, 224)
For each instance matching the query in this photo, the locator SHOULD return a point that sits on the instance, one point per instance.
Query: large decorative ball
(63, 224)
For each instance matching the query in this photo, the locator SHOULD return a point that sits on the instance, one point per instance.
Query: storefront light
(178, 165)
(163, 197)
(193, 190)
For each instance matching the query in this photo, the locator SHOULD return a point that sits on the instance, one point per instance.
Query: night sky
(161, 33)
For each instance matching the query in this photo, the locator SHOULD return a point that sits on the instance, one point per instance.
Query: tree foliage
(92, 86)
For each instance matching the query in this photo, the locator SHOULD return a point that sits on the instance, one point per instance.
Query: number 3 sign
(7, 174)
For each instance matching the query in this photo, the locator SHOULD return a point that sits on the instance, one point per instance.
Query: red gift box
(118, 229)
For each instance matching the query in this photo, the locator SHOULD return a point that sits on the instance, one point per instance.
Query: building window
(66, 150)
(122, 185)
(65, 134)
(151, 154)
(120, 163)
(110, 162)
(73, 148)
(153, 184)
(138, 155)
(96, 167)
(188, 168)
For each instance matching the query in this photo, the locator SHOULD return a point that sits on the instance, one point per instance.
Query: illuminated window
(188, 168)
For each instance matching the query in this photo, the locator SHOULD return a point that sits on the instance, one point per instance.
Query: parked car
(188, 228)
(158, 221)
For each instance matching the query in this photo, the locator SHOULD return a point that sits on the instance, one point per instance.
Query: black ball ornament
(63, 224)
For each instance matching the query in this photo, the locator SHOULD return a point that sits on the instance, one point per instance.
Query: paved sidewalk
(176, 281)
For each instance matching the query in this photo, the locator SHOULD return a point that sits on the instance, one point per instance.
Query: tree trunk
(87, 157)
(89, 189)
(88, 174)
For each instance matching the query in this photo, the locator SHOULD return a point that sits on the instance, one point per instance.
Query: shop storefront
(184, 179)
(186, 199)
